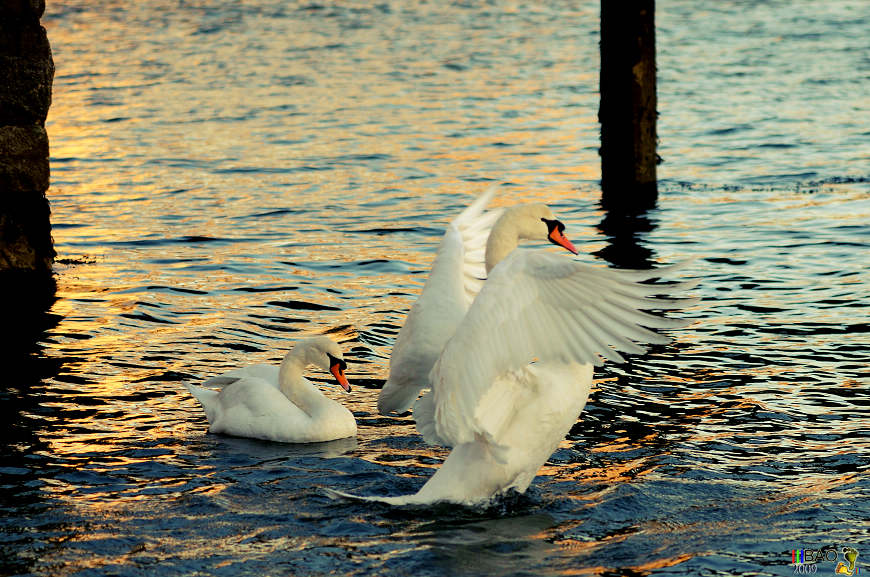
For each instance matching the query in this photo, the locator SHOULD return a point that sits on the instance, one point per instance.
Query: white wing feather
(538, 306)
(456, 277)
(264, 371)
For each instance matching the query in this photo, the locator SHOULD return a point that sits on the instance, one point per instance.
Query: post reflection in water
(624, 230)
(229, 177)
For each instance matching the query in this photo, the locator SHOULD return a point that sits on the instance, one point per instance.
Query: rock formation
(26, 73)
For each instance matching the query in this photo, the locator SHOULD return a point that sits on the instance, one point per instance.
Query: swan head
(533, 221)
(556, 234)
(324, 353)
(536, 221)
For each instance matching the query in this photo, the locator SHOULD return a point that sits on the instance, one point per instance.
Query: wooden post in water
(627, 110)
(26, 74)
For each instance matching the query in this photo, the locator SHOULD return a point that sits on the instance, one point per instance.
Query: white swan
(279, 404)
(457, 275)
(515, 373)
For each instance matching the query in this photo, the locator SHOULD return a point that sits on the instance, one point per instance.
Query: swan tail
(207, 398)
(470, 476)
(395, 501)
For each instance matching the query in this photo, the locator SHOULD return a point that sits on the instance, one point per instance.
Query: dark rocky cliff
(26, 73)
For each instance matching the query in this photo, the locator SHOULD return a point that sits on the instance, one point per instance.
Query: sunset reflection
(227, 178)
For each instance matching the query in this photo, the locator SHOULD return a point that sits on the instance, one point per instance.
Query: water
(227, 177)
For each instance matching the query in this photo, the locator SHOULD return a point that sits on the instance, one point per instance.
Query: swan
(457, 275)
(277, 403)
(515, 369)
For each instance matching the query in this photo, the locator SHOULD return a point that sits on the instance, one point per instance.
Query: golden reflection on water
(639, 570)
(144, 157)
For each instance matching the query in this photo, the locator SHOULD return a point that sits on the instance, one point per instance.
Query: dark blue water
(227, 177)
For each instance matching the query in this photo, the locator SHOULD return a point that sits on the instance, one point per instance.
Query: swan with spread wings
(509, 360)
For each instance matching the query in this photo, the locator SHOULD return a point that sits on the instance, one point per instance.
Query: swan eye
(553, 225)
(336, 361)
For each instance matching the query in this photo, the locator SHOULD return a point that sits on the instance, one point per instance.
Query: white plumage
(510, 367)
(542, 307)
(455, 279)
(279, 404)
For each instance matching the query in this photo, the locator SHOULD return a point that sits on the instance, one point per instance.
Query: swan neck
(517, 222)
(503, 239)
(296, 387)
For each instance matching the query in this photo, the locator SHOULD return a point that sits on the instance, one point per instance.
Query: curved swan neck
(522, 221)
(503, 239)
(290, 373)
(294, 385)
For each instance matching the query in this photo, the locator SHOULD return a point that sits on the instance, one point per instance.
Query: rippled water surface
(228, 177)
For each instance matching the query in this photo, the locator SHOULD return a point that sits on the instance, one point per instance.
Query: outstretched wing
(457, 275)
(544, 307)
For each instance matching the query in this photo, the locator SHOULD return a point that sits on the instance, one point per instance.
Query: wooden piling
(627, 110)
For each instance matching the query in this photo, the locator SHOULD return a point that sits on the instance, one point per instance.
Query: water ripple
(228, 178)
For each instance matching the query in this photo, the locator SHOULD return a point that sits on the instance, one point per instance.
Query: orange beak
(338, 372)
(556, 237)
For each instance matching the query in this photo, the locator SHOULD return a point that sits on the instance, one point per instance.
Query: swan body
(471, 247)
(515, 371)
(474, 472)
(278, 403)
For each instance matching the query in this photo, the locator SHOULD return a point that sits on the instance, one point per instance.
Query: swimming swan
(515, 370)
(279, 404)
